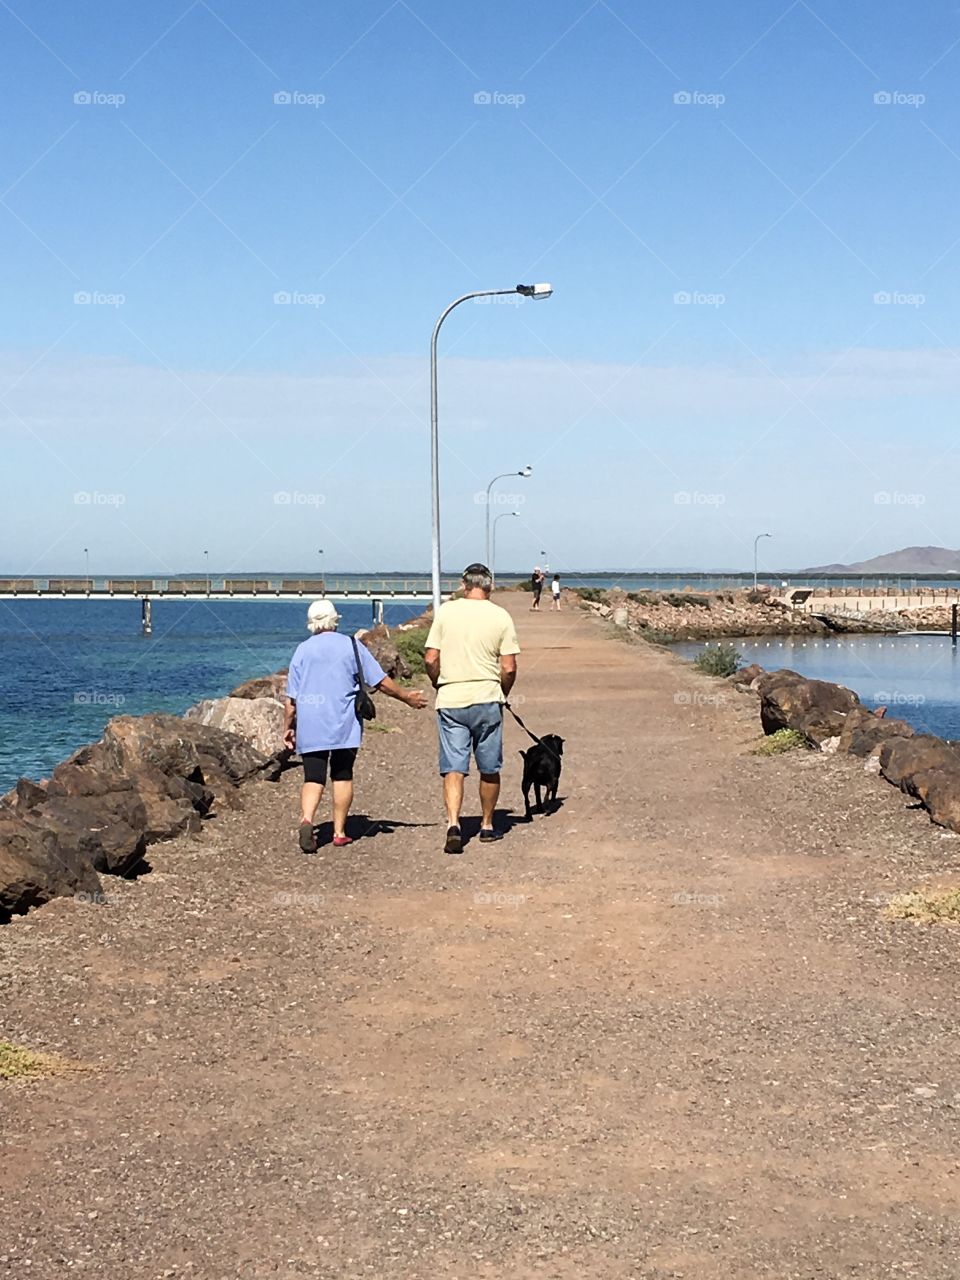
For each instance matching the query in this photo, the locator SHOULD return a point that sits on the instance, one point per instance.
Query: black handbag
(363, 704)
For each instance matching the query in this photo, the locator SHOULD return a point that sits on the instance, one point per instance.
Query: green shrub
(410, 644)
(593, 595)
(679, 599)
(721, 660)
(781, 741)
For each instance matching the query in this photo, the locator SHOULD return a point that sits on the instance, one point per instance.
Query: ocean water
(916, 677)
(68, 666)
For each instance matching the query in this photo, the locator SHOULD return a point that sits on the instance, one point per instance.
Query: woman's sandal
(340, 841)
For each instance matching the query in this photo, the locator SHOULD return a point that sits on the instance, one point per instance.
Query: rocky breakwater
(666, 616)
(831, 719)
(149, 778)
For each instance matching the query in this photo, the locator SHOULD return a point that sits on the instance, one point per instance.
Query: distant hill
(939, 560)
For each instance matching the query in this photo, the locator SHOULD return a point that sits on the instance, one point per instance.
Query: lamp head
(535, 290)
(526, 472)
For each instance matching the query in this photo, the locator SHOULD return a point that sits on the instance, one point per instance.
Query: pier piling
(146, 617)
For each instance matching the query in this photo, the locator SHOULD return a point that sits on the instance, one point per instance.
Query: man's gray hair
(477, 575)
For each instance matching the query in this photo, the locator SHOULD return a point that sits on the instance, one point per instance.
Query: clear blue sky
(783, 198)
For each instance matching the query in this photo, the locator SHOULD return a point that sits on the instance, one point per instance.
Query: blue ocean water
(916, 677)
(67, 666)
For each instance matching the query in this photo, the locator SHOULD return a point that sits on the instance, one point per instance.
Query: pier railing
(346, 587)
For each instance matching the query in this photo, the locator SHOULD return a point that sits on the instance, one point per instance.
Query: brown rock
(272, 686)
(380, 643)
(36, 865)
(815, 708)
(863, 732)
(258, 720)
(902, 758)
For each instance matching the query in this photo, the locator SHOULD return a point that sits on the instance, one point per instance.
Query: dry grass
(928, 906)
(777, 743)
(17, 1063)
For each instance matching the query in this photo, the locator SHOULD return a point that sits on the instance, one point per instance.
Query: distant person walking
(321, 720)
(537, 580)
(555, 592)
(471, 659)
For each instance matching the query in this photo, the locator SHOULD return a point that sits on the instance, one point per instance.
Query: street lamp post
(756, 542)
(526, 291)
(322, 578)
(86, 554)
(206, 562)
(493, 550)
(525, 474)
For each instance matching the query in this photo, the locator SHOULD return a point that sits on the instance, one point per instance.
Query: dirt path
(664, 1032)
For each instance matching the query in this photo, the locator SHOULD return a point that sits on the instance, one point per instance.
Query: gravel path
(663, 1032)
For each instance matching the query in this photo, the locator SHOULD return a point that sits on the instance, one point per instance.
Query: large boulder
(263, 687)
(36, 865)
(929, 769)
(258, 720)
(815, 708)
(864, 731)
(381, 644)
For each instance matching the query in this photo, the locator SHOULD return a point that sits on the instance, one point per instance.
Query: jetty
(667, 1030)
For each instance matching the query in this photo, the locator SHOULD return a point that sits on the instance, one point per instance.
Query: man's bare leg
(489, 795)
(342, 800)
(453, 797)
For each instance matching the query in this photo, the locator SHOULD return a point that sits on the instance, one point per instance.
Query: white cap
(322, 612)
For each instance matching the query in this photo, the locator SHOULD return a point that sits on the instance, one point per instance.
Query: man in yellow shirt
(471, 659)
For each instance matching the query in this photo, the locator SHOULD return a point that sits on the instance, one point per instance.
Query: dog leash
(539, 741)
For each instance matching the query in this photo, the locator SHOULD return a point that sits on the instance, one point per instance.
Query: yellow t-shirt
(471, 636)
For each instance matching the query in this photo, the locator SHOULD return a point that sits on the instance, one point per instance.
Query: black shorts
(340, 761)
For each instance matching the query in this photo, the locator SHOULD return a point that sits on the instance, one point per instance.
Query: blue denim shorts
(464, 729)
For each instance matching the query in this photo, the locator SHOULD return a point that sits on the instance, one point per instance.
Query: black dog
(541, 769)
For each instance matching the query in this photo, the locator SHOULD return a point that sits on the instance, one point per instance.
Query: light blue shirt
(322, 681)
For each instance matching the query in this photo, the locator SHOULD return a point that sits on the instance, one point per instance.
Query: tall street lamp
(493, 554)
(86, 554)
(206, 561)
(526, 291)
(322, 579)
(755, 544)
(525, 474)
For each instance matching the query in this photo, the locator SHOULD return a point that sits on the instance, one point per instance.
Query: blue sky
(747, 211)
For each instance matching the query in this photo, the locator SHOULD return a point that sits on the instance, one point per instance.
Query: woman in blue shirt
(321, 721)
